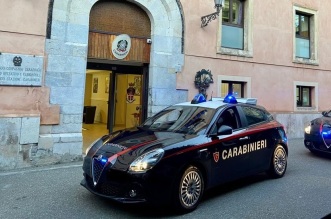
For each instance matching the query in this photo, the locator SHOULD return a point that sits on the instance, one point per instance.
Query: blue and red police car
(318, 134)
(185, 149)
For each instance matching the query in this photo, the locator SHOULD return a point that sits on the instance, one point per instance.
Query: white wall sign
(121, 46)
(21, 70)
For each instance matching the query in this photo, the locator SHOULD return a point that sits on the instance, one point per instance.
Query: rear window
(255, 115)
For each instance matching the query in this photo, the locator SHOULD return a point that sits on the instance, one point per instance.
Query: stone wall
(294, 123)
(19, 134)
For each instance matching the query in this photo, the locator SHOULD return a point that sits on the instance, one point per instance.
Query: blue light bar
(230, 99)
(199, 98)
(104, 160)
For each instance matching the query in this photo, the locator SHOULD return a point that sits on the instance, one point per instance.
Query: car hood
(123, 147)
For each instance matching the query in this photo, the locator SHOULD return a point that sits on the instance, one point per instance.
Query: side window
(230, 118)
(254, 115)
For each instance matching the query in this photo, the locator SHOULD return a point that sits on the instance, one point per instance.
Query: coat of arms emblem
(216, 156)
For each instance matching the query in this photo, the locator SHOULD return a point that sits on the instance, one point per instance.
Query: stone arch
(66, 54)
(70, 22)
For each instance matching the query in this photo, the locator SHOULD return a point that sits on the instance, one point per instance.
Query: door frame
(123, 69)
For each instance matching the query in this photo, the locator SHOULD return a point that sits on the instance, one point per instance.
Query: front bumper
(120, 192)
(153, 187)
(316, 143)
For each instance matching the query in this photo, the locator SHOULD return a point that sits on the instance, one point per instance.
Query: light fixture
(207, 18)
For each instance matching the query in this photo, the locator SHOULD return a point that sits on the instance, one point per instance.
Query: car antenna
(211, 96)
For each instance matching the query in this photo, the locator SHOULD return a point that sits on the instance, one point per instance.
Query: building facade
(156, 52)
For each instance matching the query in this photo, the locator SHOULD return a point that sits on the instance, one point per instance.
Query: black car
(318, 134)
(185, 149)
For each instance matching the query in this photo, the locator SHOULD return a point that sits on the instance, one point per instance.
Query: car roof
(207, 104)
(217, 102)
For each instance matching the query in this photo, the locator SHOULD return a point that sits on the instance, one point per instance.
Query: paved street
(55, 192)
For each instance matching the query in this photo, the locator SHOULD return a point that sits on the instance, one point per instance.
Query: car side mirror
(324, 113)
(224, 130)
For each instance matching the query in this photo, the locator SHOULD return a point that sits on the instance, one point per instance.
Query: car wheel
(190, 189)
(278, 163)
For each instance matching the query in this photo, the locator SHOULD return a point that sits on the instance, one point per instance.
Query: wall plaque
(121, 46)
(21, 70)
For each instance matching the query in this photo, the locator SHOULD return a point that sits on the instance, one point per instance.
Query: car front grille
(97, 169)
(115, 189)
(110, 189)
(319, 145)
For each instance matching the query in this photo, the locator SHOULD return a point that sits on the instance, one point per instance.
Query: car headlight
(146, 161)
(307, 129)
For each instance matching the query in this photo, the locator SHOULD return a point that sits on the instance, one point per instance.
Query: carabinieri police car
(185, 149)
(318, 134)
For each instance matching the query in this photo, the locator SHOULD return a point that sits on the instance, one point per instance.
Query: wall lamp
(207, 18)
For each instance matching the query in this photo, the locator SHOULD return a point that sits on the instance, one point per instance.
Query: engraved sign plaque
(21, 70)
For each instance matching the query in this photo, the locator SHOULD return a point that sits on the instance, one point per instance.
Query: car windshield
(182, 119)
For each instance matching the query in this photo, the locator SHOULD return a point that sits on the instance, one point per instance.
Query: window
(302, 35)
(234, 87)
(232, 24)
(303, 95)
(235, 36)
(255, 116)
(305, 35)
(229, 117)
(239, 86)
(180, 119)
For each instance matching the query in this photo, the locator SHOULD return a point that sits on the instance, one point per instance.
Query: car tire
(189, 190)
(278, 162)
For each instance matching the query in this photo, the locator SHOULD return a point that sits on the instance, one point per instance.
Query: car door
(230, 161)
(261, 137)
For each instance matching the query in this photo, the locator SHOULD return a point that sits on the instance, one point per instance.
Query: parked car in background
(318, 134)
(185, 149)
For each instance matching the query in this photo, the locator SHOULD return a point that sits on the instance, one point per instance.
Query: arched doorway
(66, 49)
(116, 83)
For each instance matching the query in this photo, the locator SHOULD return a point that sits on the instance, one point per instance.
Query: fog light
(133, 193)
(307, 143)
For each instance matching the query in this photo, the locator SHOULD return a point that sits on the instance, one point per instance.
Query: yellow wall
(96, 87)
(88, 90)
(125, 109)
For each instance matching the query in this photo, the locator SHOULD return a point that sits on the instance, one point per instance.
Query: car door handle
(244, 138)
